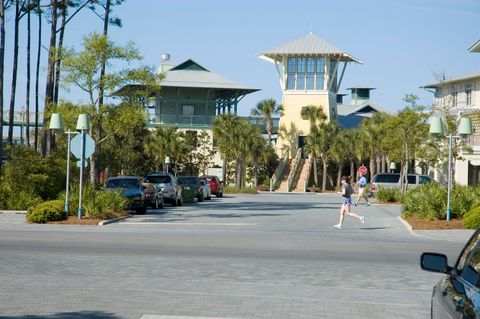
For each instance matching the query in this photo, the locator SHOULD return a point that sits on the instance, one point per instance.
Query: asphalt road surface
(241, 256)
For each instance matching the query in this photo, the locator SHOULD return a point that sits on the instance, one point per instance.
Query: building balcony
(180, 121)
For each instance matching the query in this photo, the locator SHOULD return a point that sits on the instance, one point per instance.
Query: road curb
(13, 212)
(113, 220)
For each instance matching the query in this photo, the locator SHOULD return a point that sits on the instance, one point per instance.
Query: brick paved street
(242, 256)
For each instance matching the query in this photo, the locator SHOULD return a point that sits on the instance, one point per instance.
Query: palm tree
(37, 73)
(340, 151)
(314, 114)
(327, 133)
(223, 126)
(266, 109)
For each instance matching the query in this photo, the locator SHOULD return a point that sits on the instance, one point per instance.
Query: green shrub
(13, 198)
(236, 190)
(427, 201)
(188, 195)
(97, 203)
(388, 195)
(47, 211)
(463, 198)
(472, 218)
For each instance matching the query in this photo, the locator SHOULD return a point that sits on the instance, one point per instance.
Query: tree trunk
(2, 59)
(373, 167)
(27, 99)
(224, 170)
(379, 164)
(315, 170)
(339, 174)
(269, 131)
(102, 77)
(37, 74)
(47, 140)
(352, 170)
(238, 181)
(324, 177)
(59, 53)
(14, 72)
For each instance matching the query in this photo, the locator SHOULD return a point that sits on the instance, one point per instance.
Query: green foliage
(388, 195)
(463, 198)
(97, 203)
(28, 171)
(188, 195)
(52, 210)
(236, 190)
(472, 218)
(426, 201)
(12, 198)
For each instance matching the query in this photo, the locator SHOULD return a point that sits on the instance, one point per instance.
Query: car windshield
(123, 183)
(162, 179)
(187, 180)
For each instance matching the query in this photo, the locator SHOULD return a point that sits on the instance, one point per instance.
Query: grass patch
(236, 190)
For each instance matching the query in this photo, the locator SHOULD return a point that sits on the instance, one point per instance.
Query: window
(310, 81)
(469, 262)
(468, 93)
(292, 65)
(291, 70)
(320, 73)
(424, 179)
(301, 81)
(188, 109)
(291, 81)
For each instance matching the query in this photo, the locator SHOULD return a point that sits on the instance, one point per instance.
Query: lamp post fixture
(56, 123)
(393, 167)
(464, 129)
(168, 161)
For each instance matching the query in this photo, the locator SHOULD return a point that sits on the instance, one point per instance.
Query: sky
(402, 43)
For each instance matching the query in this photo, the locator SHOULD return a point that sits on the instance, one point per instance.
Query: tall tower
(307, 70)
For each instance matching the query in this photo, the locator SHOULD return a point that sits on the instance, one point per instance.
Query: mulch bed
(73, 219)
(427, 224)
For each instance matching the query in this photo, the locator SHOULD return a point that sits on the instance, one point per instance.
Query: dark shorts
(347, 201)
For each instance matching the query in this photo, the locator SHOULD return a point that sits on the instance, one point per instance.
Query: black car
(132, 189)
(457, 295)
(153, 196)
(192, 183)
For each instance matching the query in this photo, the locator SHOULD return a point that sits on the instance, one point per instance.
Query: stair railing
(279, 171)
(295, 168)
(308, 163)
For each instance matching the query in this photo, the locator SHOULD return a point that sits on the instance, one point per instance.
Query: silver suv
(392, 180)
(168, 186)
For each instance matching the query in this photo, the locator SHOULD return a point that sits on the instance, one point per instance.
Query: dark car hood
(128, 192)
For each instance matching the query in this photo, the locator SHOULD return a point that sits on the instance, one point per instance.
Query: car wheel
(180, 201)
(174, 202)
(162, 204)
(142, 210)
(220, 194)
(201, 198)
(209, 198)
(156, 203)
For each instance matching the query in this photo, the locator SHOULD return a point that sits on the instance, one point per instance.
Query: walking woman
(347, 192)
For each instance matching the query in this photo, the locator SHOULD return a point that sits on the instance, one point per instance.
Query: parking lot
(241, 256)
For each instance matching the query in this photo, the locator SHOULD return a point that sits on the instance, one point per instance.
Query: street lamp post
(393, 167)
(56, 123)
(168, 161)
(82, 125)
(464, 129)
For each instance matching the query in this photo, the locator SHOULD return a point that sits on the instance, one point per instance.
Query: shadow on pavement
(70, 315)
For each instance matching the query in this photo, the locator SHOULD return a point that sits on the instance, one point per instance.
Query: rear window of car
(187, 180)
(123, 183)
(209, 179)
(386, 178)
(424, 179)
(158, 179)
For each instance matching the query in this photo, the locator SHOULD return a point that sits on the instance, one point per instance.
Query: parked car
(215, 185)
(168, 185)
(207, 193)
(153, 196)
(457, 295)
(392, 180)
(192, 184)
(132, 189)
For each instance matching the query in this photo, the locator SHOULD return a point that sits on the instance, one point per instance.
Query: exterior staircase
(283, 181)
(302, 181)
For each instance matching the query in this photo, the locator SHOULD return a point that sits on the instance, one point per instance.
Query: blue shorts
(347, 201)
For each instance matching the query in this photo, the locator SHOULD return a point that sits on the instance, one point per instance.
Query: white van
(392, 180)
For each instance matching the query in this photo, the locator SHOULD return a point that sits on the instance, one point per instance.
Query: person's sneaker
(362, 219)
(354, 204)
(338, 226)
(368, 203)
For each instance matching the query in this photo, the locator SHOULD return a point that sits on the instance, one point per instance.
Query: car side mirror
(434, 262)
